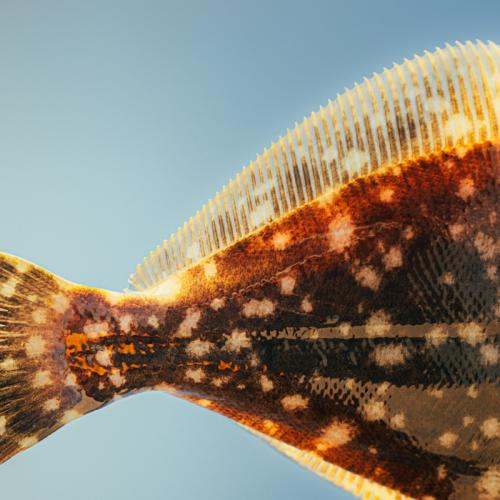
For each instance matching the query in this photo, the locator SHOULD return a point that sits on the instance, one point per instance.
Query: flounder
(338, 298)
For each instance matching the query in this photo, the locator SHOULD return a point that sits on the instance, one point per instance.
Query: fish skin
(360, 327)
(373, 311)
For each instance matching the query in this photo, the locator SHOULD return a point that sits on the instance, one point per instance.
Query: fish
(339, 298)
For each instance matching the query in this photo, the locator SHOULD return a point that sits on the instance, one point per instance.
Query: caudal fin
(38, 394)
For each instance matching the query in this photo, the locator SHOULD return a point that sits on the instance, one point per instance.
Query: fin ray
(445, 99)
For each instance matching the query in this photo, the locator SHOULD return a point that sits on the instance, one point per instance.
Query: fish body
(339, 298)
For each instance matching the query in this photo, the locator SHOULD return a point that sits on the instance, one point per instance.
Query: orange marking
(75, 342)
(227, 366)
(126, 349)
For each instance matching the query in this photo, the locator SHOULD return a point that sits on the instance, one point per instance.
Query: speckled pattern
(363, 327)
(359, 325)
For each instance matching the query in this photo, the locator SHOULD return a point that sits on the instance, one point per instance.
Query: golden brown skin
(362, 326)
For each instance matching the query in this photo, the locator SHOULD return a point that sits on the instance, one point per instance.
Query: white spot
(60, 303)
(472, 392)
(193, 251)
(374, 410)
(70, 415)
(39, 316)
(456, 231)
(491, 272)
(491, 428)
(189, 323)
(383, 388)
(8, 364)
(96, 329)
(393, 258)
(447, 279)
(198, 348)
(398, 421)
(3, 425)
(436, 393)
(28, 441)
(261, 214)
(386, 195)
(237, 340)
(436, 336)
(103, 357)
(35, 346)
(116, 378)
(210, 269)
(295, 402)
(259, 308)
(458, 126)
(485, 245)
(266, 383)
(306, 305)
(490, 354)
(125, 322)
(70, 380)
(340, 233)
(52, 404)
(254, 360)
(408, 233)
(219, 381)
(390, 355)
(474, 446)
(472, 333)
(447, 439)
(344, 328)
(114, 298)
(336, 434)
(168, 289)
(197, 375)
(488, 484)
(356, 158)
(330, 154)
(22, 266)
(217, 304)
(153, 321)
(467, 420)
(367, 276)
(9, 288)
(378, 324)
(287, 284)
(42, 378)
(466, 188)
(441, 472)
(280, 240)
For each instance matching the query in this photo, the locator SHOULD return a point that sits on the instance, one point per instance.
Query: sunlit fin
(353, 483)
(449, 98)
(37, 394)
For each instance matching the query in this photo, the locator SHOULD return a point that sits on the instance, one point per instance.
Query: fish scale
(339, 298)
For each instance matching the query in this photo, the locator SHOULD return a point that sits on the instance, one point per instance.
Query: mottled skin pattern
(362, 326)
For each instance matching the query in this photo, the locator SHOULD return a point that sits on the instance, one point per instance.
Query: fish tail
(38, 393)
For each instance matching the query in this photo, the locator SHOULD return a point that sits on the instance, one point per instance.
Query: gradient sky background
(118, 119)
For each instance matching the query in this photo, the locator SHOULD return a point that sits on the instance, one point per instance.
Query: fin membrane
(37, 394)
(353, 483)
(441, 100)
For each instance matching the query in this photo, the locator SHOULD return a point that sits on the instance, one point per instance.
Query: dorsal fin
(446, 99)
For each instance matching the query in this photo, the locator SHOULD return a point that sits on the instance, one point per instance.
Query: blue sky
(118, 120)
